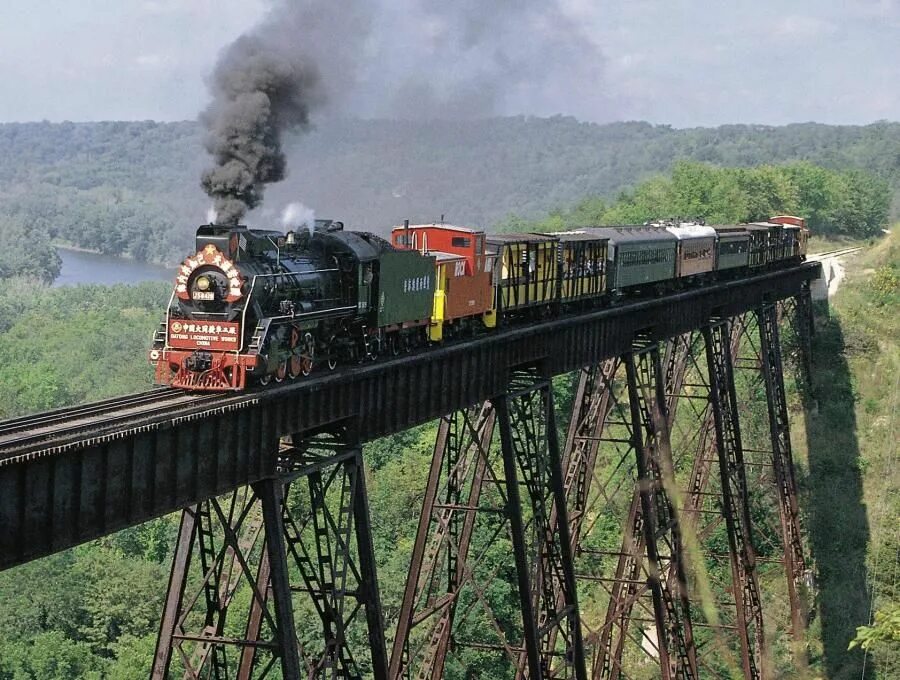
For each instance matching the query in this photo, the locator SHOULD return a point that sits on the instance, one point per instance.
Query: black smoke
(260, 90)
(401, 59)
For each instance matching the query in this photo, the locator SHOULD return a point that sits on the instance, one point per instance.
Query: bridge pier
(516, 497)
(720, 344)
(320, 534)
(223, 537)
(785, 479)
(530, 445)
(631, 471)
(461, 489)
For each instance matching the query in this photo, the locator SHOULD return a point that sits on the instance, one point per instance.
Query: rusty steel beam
(668, 585)
(271, 494)
(590, 407)
(446, 525)
(545, 568)
(735, 500)
(181, 561)
(639, 432)
(553, 587)
(328, 544)
(532, 642)
(221, 537)
(783, 463)
(627, 585)
(328, 539)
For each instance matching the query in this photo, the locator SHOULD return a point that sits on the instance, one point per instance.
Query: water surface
(79, 267)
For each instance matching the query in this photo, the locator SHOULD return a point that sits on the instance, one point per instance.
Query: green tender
(406, 287)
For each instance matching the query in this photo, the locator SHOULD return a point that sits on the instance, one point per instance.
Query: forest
(132, 188)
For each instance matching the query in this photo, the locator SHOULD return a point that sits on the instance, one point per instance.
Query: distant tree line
(133, 188)
(850, 203)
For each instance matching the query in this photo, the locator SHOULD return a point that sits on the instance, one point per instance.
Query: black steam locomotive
(263, 304)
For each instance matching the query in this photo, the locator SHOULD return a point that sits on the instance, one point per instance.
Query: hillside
(134, 187)
(850, 481)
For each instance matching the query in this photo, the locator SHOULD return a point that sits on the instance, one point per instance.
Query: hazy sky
(682, 62)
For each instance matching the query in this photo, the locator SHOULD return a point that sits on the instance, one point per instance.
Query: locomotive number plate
(201, 295)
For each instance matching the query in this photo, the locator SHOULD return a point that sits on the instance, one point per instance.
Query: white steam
(297, 215)
(211, 215)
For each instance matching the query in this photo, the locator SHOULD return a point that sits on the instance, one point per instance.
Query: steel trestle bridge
(660, 471)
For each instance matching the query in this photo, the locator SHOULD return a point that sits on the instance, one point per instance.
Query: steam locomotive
(252, 306)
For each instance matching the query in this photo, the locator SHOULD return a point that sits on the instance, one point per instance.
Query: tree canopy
(844, 203)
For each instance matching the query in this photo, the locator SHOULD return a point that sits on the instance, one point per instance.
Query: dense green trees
(133, 188)
(68, 345)
(26, 251)
(851, 203)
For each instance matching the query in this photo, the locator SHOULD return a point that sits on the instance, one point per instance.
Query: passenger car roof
(631, 234)
(688, 231)
(569, 236)
(521, 238)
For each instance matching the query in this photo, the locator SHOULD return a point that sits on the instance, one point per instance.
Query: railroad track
(30, 432)
(840, 252)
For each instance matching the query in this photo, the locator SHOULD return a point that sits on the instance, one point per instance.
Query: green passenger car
(733, 247)
(638, 256)
(405, 287)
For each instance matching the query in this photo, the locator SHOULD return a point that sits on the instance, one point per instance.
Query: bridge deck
(68, 485)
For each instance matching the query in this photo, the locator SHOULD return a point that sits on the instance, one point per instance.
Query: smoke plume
(406, 59)
(260, 90)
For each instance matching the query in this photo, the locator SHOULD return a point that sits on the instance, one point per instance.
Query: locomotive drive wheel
(301, 363)
(265, 379)
(330, 351)
(308, 354)
(282, 371)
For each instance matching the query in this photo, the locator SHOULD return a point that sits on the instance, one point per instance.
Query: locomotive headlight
(203, 283)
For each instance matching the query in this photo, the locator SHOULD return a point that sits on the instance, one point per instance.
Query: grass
(848, 457)
(823, 244)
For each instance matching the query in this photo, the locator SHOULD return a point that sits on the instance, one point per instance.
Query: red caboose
(464, 291)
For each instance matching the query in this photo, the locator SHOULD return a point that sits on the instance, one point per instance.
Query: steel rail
(81, 410)
(142, 409)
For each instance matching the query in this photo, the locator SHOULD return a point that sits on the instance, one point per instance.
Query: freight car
(254, 305)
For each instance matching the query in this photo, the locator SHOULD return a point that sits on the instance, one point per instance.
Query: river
(80, 267)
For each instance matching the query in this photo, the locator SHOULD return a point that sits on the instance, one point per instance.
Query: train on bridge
(253, 306)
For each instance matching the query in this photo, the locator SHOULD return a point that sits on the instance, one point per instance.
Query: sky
(679, 62)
